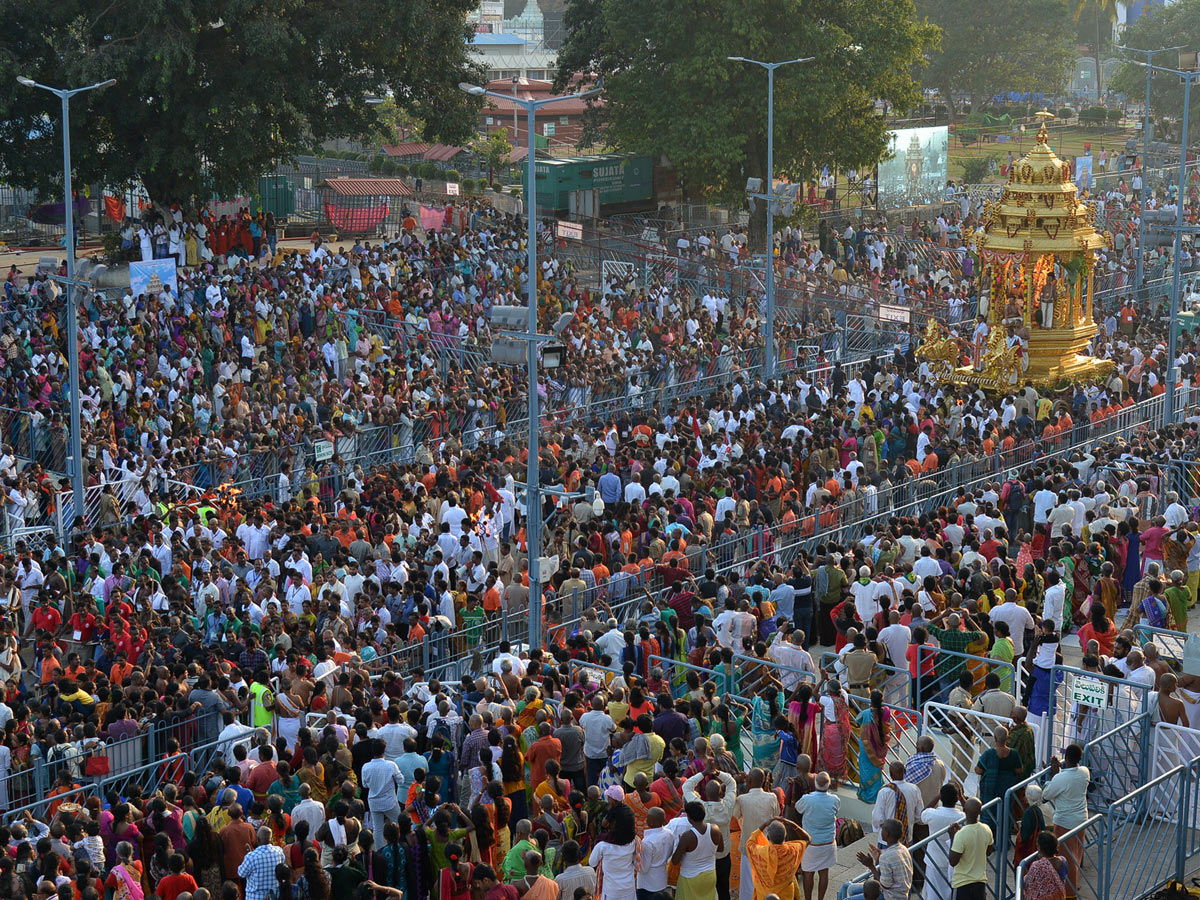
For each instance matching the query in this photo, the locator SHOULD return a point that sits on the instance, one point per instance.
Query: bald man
(1170, 708)
(969, 850)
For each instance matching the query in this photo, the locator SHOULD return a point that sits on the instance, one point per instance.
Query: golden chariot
(1036, 255)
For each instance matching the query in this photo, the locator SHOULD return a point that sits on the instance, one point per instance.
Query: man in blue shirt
(818, 810)
(610, 488)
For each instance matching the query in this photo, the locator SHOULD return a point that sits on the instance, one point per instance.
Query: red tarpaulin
(114, 208)
(365, 218)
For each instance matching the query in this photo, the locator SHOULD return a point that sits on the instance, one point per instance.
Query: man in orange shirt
(545, 748)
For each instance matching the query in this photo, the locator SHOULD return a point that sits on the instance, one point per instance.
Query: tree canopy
(670, 90)
(212, 93)
(1167, 26)
(1000, 45)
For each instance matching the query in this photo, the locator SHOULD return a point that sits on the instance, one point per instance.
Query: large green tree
(1168, 26)
(998, 46)
(670, 90)
(211, 93)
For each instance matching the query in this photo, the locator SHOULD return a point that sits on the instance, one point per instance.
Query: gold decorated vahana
(1036, 258)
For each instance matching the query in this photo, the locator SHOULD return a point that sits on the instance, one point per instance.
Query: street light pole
(1180, 199)
(533, 492)
(769, 319)
(72, 316)
(1149, 54)
(1172, 324)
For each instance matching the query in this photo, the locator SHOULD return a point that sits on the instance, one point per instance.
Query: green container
(621, 179)
(277, 195)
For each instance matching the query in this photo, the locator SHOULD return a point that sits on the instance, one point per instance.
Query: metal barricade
(788, 677)
(1074, 713)
(39, 808)
(147, 778)
(1170, 644)
(968, 732)
(1119, 761)
(931, 863)
(903, 734)
(894, 682)
(1086, 841)
(1141, 839)
(948, 666)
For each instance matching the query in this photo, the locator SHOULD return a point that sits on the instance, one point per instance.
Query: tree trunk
(950, 110)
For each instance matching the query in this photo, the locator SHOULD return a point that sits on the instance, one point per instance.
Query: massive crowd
(673, 728)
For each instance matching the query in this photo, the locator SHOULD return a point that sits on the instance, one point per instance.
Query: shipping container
(623, 181)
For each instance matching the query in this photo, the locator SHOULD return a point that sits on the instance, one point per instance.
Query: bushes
(388, 167)
(1115, 116)
(967, 136)
(453, 175)
(376, 165)
(1093, 115)
(400, 169)
(427, 170)
(467, 185)
(976, 169)
(1066, 113)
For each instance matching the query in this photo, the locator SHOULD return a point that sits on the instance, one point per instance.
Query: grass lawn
(1066, 140)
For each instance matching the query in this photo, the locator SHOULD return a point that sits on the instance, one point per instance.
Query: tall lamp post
(533, 493)
(1149, 54)
(769, 324)
(65, 95)
(1172, 340)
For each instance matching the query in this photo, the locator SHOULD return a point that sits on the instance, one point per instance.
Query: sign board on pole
(570, 230)
(322, 450)
(900, 314)
(547, 567)
(452, 188)
(1089, 692)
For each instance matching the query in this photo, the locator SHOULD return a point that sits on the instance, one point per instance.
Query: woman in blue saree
(874, 727)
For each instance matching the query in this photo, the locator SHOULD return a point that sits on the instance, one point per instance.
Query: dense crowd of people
(349, 634)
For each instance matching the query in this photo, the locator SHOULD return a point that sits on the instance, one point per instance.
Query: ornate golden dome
(1040, 209)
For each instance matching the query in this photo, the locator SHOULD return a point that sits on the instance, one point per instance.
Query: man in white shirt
(886, 802)
(1176, 514)
(1016, 617)
(308, 810)
(796, 660)
(926, 565)
(505, 653)
(1056, 595)
(658, 843)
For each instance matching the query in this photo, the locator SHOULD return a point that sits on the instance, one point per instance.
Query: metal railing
(1072, 721)
(1170, 643)
(931, 862)
(969, 733)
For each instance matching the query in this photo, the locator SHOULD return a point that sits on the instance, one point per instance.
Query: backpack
(441, 728)
(848, 832)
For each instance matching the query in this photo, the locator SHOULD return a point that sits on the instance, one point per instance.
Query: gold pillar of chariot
(1036, 255)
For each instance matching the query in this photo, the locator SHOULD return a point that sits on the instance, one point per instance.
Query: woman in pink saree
(835, 732)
